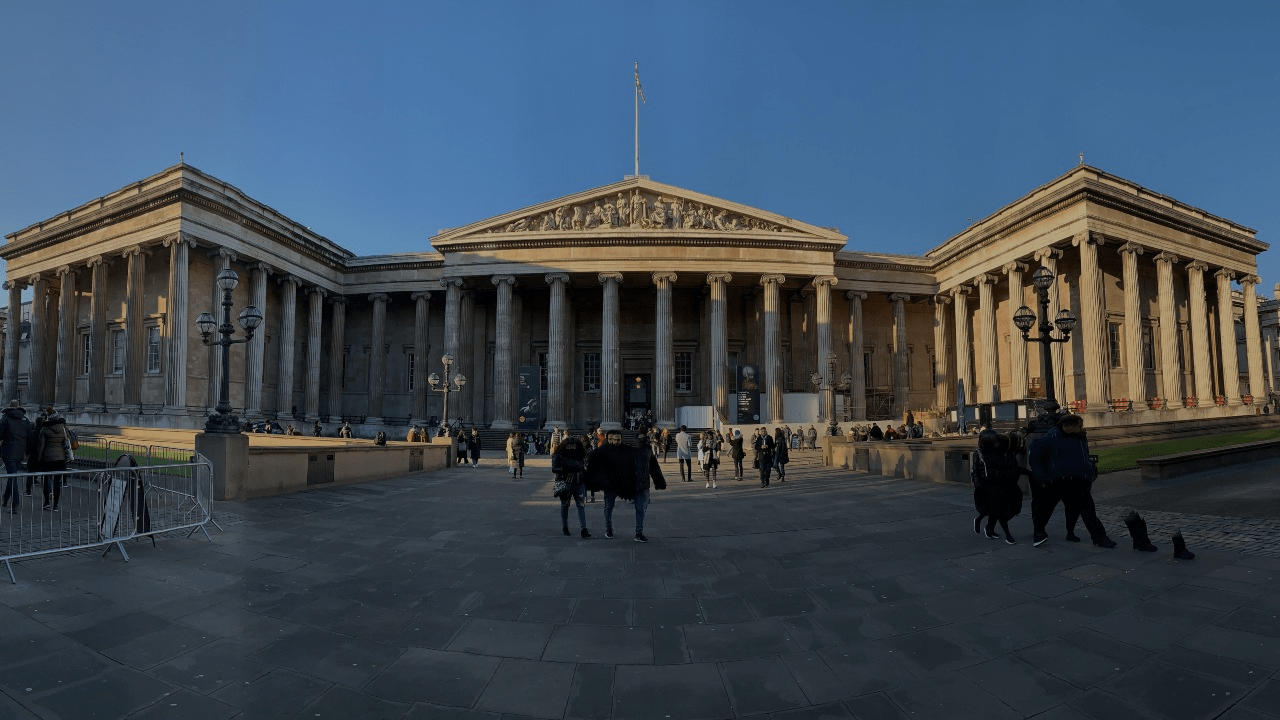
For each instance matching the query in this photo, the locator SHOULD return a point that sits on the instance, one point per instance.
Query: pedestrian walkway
(453, 594)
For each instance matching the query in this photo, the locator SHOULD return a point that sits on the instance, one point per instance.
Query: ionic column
(503, 374)
(610, 367)
(557, 331)
(1017, 346)
(1129, 253)
(11, 332)
(1269, 351)
(134, 337)
(377, 356)
(1200, 340)
(97, 335)
(1227, 333)
(255, 351)
(1252, 338)
(288, 340)
(901, 379)
(337, 354)
(176, 326)
(858, 368)
(467, 365)
(421, 316)
(1048, 258)
(987, 336)
(1093, 322)
(64, 389)
(1169, 370)
(773, 347)
(719, 341)
(941, 379)
(963, 372)
(822, 320)
(38, 346)
(452, 313)
(664, 353)
(316, 316)
(222, 259)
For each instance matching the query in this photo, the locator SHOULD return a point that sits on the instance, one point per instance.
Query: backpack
(71, 435)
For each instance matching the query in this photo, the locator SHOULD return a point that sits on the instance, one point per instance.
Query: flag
(638, 88)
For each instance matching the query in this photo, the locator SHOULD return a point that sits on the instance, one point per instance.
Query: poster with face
(748, 399)
(529, 414)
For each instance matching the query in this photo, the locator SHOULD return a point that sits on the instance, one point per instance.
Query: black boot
(1180, 551)
(1138, 531)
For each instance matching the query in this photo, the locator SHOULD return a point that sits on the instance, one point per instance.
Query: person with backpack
(16, 438)
(53, 451)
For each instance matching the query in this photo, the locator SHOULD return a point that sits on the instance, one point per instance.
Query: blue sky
(378, 123)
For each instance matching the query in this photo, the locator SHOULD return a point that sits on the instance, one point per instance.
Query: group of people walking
(44, 446)
(769, 453)
(613, 468)
(1061, 471)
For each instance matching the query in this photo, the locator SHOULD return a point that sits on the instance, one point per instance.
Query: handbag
(560, 489)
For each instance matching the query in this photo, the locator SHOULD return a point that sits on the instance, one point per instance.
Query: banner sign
(529, 414)
(748, 394)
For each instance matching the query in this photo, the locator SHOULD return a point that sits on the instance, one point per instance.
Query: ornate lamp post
(1065, 321)
(434, 381)
(828, 391)
(250, 318)
(846, 384)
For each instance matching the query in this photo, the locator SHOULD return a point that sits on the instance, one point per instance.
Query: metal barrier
(101, 505)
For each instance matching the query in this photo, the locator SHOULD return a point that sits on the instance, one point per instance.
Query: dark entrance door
(637, 399)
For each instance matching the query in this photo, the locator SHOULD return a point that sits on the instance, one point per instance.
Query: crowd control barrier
(101, 502)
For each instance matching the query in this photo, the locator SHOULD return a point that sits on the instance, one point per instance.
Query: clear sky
(378, 123)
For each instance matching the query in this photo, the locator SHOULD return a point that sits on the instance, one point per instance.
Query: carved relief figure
(658, 218)
(637, 210)
(677, 213)
(610, 216)
(548, 222)
(593, 217)
(562, 217)
(577, 217)
(722, 220)
(624, 214)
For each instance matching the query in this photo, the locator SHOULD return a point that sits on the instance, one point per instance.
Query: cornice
(663, 238)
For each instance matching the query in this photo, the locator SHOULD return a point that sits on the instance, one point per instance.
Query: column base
(373, 420)
(502, 425)
(311, 418)
(229, 455)
(93, 408)
(553, 424)
(131, 409)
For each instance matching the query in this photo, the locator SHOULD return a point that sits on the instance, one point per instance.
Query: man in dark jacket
(15, 440)
(624, 472)
(1061, 470)
(763, 445)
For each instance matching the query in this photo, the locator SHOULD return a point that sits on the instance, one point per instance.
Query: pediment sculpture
(637, 210)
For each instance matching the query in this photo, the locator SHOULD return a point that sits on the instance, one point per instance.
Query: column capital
(1091, 238)
(338, 300)
(715, 277)
(663, 276)
(1165, 256)
(95, 260)
(423, 295)
(133, 250)
(499, 279)
(63, 271)
(1225, 273)
(10, 284)
(445, 282)
(262, 267)
(221, 252)
(1250, 280)
(283, 279)
(984, 278)
(959, 290)
(1013, 267)
(178, 237)
(899, 297)
(1197, 265)
(941, 299)
(772, 278)
(1131, 247)
(821, 280)
(1050, 253)
(852, 294)
(607, 277)
(379, 298)
(553, 278)
(34, 278)
(317, 290)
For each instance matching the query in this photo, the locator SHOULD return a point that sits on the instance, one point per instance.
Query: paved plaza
(454, 595)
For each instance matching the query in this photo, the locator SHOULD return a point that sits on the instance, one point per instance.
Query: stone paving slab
(453, 594)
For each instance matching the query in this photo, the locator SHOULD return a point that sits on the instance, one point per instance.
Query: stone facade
(634, 296)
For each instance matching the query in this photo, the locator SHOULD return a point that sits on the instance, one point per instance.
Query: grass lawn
(1126, 457)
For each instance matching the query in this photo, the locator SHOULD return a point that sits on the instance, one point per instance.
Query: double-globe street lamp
(434, 381)
(1065, 321)
(828, 389)
(250, 318)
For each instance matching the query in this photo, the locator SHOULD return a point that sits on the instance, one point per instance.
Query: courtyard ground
(454, 595)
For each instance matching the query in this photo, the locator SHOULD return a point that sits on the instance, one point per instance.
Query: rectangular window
(591, 372)
(345, 352)
(153, 349)
(684, 372)
(542, 371)
(84, 347)
(1113, 338)
(409, 368)
(933, 364)
(117, 352)
(866, 370)
(1148, 348)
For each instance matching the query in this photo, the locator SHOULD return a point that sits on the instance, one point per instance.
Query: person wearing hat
(52, 452)
(1061, 470)
(15, 439)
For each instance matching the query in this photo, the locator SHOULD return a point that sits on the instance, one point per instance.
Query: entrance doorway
(637, 397)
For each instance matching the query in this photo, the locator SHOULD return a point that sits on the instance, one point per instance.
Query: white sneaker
(713, 486)
(708, 486)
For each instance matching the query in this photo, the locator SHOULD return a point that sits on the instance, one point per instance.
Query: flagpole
(637, 119)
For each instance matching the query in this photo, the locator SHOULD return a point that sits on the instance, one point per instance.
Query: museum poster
(530, 400)
(748, 394)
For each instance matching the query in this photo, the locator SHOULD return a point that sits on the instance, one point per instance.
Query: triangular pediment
(636, 206)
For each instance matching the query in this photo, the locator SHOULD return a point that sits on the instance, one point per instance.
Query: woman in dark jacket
(737, 453)
(781, 454)
(996, 494)
(52, 446)
(569, 462)
(473, 446)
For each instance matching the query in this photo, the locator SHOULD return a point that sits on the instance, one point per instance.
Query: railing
(102, 504)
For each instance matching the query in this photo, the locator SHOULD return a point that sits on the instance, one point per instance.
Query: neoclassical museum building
(635, 297)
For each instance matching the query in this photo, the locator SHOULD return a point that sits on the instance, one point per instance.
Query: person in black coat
(473, 447)
(764, 451)
(1061, 470)
(737, 454)
(568, 463)
(16, 441)
(624, 472)
(996, 495)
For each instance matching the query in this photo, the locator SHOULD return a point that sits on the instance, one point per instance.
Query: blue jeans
(11, 487)
(642, 504)
(579, 492)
